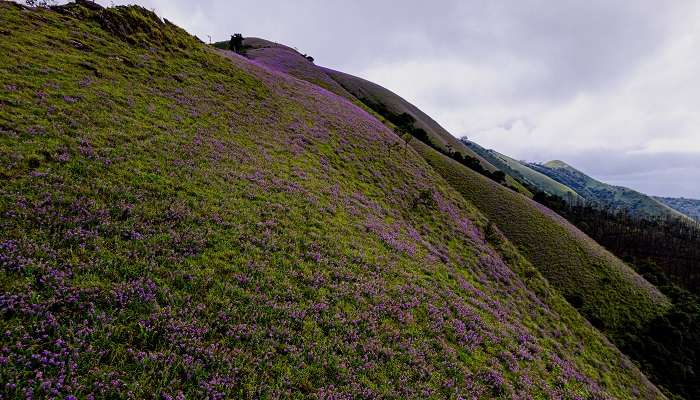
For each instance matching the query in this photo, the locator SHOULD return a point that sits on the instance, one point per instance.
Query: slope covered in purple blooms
(285, 59)
(606, 291)
(178, 223)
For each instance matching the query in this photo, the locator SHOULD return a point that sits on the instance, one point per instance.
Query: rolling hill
(184, 222)
(616, 198)
(526, 175)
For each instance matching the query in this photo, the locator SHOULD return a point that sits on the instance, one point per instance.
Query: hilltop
(185, 222)
(390, 108)
(386, 105)
(288, 60)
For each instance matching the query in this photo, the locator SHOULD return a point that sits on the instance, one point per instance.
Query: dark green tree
(236, 43)
(498, 176)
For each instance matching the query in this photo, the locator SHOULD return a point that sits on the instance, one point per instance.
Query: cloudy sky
(611, 87)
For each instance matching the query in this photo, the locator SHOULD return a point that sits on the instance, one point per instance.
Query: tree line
(669, 242)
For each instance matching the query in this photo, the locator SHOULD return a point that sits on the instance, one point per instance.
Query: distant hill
(526, 175)
(616, 198)
(689, 207)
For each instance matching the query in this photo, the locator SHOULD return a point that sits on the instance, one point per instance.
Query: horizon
(513, 76)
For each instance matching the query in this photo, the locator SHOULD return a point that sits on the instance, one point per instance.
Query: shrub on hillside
(236, 43)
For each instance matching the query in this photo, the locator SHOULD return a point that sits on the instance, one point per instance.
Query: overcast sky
(611, 87)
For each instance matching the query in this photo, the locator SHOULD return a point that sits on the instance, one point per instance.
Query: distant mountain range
(557, 178)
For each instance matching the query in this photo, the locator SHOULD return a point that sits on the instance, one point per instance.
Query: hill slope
(525, 174)
(616, 198)
(614, 310)
(604, 289)
(180, 224)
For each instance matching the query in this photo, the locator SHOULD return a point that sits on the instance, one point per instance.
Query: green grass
(180, 222)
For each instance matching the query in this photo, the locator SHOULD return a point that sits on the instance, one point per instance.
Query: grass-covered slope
(525, 174)
(179, 224)
(615, 198)
(602, 287)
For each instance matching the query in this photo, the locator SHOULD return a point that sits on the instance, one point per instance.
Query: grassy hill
(689, 207)
(616, 198)
(526, 175)
(179, 222)
(567, 279)
(601, 286)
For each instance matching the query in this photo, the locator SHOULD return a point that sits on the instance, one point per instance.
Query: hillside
(616, 198)
(601, 286)
(385, 105)
(689, 207)
(526, 175)
(178, 223)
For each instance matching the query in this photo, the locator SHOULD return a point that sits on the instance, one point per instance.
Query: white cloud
(651, 108)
